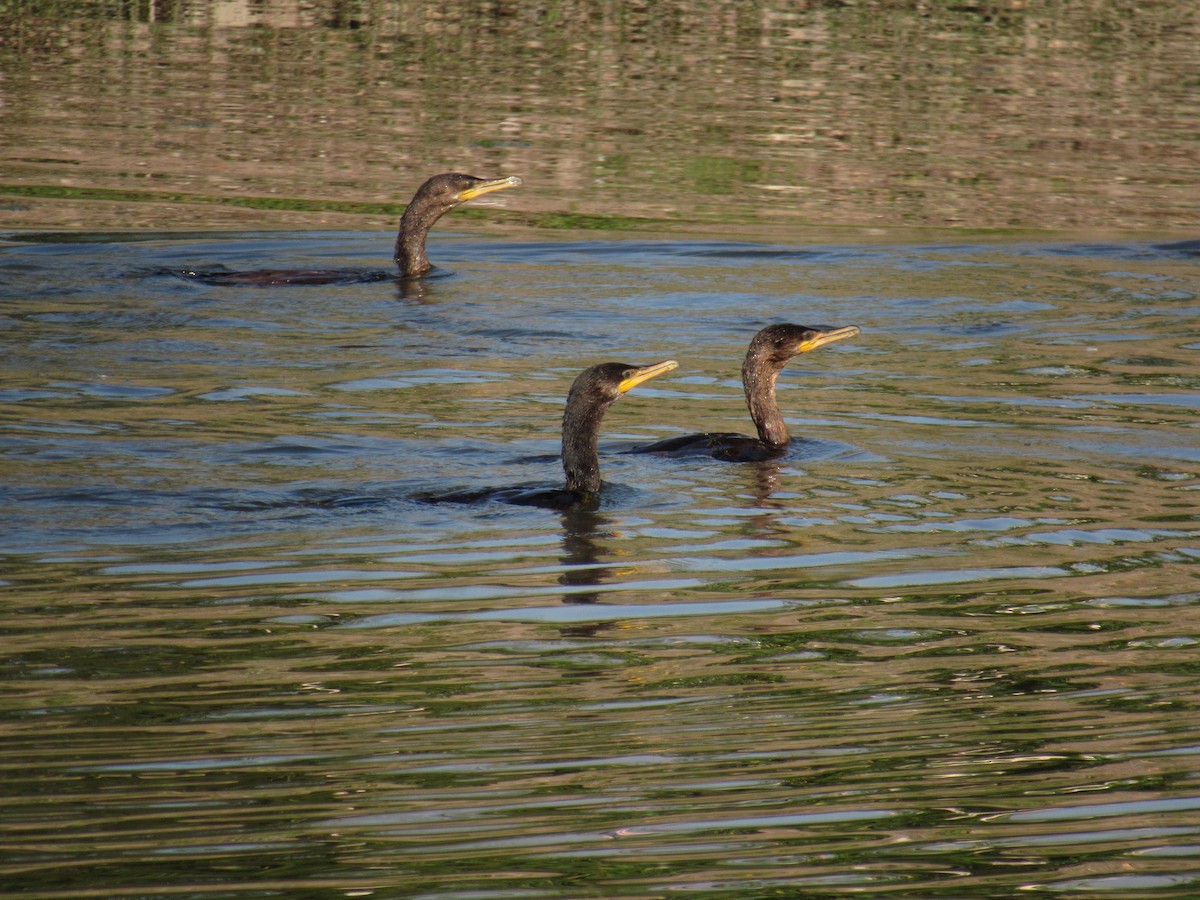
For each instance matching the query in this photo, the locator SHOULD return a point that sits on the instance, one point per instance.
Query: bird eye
(628, 373)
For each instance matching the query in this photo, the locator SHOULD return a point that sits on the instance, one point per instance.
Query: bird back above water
(770, 350)
(433, 199)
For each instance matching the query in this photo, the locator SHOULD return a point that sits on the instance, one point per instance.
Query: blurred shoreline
(756, 120)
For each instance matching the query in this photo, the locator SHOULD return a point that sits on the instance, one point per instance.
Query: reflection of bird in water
(583, 550)
(586, 533)
(769, 351)
(433, 199)
(594, 391)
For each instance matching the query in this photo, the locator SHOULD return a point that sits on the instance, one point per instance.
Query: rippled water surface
(946, 648)
(169, 114)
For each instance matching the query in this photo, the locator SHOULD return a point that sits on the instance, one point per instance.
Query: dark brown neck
(758, 380)
(410, 240)
(580, 436)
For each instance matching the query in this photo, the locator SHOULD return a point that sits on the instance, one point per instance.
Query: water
(762, 114)
(943, 649)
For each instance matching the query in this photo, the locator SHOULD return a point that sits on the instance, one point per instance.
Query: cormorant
(769, 351)
(433, 199)
(595, 389)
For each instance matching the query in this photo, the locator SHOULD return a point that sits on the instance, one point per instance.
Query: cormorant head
(776, 344)
(444, 192)
(608, 381)
(594, 391)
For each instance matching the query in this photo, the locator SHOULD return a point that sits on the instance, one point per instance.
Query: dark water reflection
(944, 648)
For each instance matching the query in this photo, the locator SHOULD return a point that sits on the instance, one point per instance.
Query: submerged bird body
(595, 389)
(728, 446)
(769, 351)
(433, 199)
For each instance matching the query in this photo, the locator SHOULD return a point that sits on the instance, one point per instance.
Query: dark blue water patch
(292, 449)
(181, 252)
(104, 237)
(966, 402)
(67, 273)
(547, 459)
(723, 303)
(422, 377)
(249, 261)
(734, 254)
(109, 449)
(654, 253)
(941, 306)
(94, 323)
(727, 253)
(555, 253)
(1189, 249)
(182, 256)
(1190, 400)
(808, 449)
(737, 252)
(111, 391)
(1014, 306)
(19, 395)
(1150, 251)
(293, 498)
(88, 496)
(12, 269)
(183, 503)
(514, 334)
(243, 393)
(73, 517)
(993, 328)
(574, 613)
(183, 249)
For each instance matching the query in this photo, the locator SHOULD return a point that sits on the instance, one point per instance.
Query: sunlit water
(946, 648)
